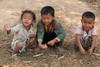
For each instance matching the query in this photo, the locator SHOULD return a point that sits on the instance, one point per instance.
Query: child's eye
(90, 23)
(48, 18)
(29, 18)
(24, 18)
(87, 23)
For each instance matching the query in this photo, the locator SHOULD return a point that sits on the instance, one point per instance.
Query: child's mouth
(26, 22)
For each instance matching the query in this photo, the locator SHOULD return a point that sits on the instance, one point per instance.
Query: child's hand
(90, 51)
(31, 35)
(7, 27)
(52, 42)
(82, 51)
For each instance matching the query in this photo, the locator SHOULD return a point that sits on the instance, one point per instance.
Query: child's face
(47, 19)
(27, 19)
(87, 23)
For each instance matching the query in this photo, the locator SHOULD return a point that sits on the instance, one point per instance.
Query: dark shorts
(50, 36)
(86, 43)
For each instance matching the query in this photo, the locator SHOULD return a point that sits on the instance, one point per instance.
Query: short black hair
(88, 14)
(47, 10)
(30, 12)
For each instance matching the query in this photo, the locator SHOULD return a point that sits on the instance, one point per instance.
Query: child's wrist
(81, 48)
(8, 31)
(55, 40)
(40, 43)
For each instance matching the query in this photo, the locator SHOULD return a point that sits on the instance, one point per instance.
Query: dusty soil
(68, 13)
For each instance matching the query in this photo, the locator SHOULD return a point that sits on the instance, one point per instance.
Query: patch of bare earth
(68, 13)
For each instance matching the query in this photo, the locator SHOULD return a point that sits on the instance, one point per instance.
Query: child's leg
(18, 46)
(89, 42)
(48, 36)
(86, 43)
(30, 43)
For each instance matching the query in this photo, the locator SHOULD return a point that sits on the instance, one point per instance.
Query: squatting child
(86, 33)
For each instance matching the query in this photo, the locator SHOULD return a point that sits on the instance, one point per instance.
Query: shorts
(50, 36)
(86, 42)
(13, 45)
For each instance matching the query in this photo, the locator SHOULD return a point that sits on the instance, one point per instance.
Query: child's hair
(47, 10)
(30, 12)
(88, 14)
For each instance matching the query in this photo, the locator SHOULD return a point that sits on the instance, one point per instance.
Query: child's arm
(78, 34)
(94, 36)
(7, 28)
(14, 29)
(40, 33)
(60, 33)
(92, 45)
(78, 43)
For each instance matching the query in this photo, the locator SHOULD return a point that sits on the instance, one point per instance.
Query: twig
(61, 57)
(54, 56)
(14, 56)
(96, 54)
(28, 61)
(37, 55)
(10, 50)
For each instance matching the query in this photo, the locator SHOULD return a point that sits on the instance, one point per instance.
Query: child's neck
(27, 28)
(87, 31)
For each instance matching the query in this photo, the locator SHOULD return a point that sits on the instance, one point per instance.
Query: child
(50, 32)
(23, 32)
(86, 33)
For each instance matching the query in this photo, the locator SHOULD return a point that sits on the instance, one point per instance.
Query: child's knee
(32, 40)
(20, 44)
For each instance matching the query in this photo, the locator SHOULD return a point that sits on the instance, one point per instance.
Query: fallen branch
(10, 50)
(54, 56)
(96, 54)
(28, 61)
(37, 55)
(14, 56)
(61, 57)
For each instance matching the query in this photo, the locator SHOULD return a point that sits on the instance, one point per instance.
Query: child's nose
(46, 20)
(87, 24)
(26, 19)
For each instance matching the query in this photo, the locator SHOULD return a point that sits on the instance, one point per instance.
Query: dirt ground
(68, 13)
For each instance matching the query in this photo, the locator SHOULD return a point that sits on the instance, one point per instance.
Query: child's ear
(34, 21)
(81, 20)
(94, 23)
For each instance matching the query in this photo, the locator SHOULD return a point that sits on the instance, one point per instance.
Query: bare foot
(44, 46)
